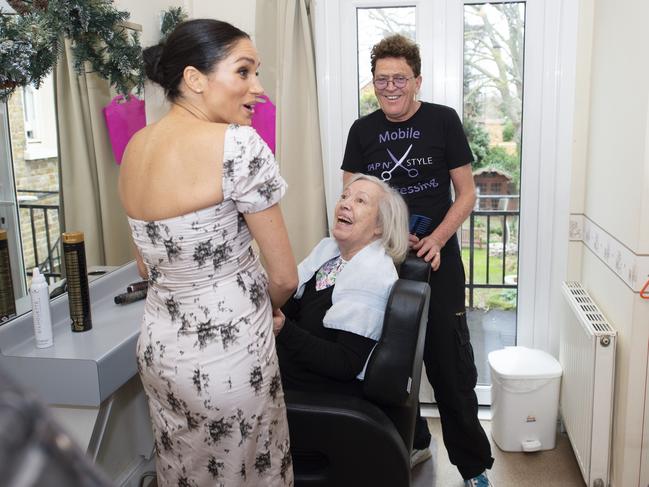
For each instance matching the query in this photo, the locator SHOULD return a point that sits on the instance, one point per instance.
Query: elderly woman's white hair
(393, 218)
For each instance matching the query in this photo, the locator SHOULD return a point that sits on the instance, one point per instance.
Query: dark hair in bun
(152, 57)
(201, 43)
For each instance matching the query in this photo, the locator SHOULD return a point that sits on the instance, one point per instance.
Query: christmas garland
(31, 41)
(170, 19)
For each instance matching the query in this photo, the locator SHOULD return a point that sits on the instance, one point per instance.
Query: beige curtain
(88, 170)
(285, 42)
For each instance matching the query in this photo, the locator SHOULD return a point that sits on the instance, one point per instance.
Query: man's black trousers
(450, 367)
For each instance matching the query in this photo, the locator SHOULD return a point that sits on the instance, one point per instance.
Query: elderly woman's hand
(278, 321)
(429, 248)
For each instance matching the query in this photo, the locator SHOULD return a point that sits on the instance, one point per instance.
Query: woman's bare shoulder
(136, 143)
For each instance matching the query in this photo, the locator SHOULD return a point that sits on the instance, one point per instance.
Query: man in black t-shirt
(420, 149)
(415, 156)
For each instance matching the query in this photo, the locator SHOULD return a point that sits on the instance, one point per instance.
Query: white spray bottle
(41, 310)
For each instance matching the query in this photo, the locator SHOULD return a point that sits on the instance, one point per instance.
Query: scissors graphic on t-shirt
(412, 172)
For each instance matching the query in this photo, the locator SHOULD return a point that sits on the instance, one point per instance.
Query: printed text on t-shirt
(399, 134)
(413, 161)
(416, 188)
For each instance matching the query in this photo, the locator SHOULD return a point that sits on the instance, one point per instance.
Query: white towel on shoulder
(361, 290)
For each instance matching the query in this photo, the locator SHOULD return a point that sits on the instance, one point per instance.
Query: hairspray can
(7, 301)
(41, 310)
(74, 252)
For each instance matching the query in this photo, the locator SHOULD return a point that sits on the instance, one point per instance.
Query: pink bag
(263, 121)
(123, 119)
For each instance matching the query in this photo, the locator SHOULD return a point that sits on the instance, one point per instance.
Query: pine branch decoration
(28, 50)
(170, 19)
(30, 43)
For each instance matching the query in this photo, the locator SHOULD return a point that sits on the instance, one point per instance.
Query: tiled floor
(550, 468)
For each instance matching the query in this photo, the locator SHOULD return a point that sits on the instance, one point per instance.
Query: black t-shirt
(414, 156)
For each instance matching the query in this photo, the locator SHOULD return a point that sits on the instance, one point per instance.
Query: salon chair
(34, 450)
(344, 441)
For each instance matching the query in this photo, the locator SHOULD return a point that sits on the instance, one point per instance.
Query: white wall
(610, 186)
(644, 459)
(618, 118)
(580, 131)
(240, 13)
(148, 14)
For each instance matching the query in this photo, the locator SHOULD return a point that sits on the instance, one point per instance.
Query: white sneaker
(419, 456)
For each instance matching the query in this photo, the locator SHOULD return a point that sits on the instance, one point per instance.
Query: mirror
(57, 165)
(32, 210)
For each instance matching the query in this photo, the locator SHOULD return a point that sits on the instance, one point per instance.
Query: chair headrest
(414, 268)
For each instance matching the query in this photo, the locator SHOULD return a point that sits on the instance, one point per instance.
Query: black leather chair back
(342, 441)
(393, 371)
(414, 268)
(398, 356)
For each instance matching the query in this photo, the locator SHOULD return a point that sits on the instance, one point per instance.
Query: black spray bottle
(74, 252)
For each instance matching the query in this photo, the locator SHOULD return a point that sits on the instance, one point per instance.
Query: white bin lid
(524, 363)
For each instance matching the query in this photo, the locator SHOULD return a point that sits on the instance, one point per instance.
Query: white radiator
(587, 355)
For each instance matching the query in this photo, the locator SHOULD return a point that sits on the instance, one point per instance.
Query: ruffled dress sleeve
(250, 173)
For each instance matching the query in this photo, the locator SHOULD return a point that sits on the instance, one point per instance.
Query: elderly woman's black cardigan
(315, 358)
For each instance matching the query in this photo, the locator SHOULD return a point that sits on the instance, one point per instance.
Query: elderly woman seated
(327, 331)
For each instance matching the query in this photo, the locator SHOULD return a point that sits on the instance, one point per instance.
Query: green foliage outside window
(509, 132)
(504, 300)
(368, 103)
(478, 141)
(491, 156)
(498, 157)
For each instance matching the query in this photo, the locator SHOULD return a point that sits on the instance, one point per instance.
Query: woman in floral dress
(198, 186)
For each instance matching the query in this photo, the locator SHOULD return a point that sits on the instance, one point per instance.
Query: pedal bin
(524, 398)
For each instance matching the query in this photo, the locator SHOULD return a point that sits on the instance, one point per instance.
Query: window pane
(373, 24)
(493, 109)
(32, 131)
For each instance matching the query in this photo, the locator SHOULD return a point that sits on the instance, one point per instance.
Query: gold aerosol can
(76, 274)
(7, 301)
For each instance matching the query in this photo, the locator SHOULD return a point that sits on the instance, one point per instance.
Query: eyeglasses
(398, 82)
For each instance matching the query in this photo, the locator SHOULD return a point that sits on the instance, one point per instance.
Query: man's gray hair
(393, 218)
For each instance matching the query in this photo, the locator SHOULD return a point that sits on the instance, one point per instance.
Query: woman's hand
(429, 248)
(278, 321)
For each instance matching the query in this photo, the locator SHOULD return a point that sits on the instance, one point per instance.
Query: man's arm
(465, 197)
(346, 176)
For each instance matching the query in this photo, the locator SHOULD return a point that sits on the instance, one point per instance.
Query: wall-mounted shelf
(81, 369)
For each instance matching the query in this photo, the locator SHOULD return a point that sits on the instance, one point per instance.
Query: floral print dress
(206, 351)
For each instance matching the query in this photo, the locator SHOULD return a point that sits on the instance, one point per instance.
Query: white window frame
(44, 143)
(9, 207)
(29, 111)
(548, 107)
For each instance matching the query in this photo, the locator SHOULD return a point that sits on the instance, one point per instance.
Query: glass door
(493, 85)
(372, 25)
(492, 52)
(486, 60)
